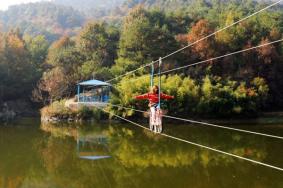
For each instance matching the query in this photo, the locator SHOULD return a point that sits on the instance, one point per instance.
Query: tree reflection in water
(33, 158)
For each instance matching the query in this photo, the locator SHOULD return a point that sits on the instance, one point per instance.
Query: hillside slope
(42, 18)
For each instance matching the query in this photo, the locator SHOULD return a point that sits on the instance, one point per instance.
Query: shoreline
(269, 118)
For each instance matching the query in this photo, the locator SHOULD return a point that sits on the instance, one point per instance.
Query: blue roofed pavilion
(93, 91)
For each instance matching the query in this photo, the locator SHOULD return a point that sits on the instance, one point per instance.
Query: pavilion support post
(78, 90)
(83, 95)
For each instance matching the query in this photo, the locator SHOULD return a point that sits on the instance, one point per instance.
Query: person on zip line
(154, 105)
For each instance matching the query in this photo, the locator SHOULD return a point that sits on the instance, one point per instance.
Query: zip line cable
(191, 44)
(129, 72)
(220, 57)
(209, 124)
(199, 145)
(204, 123)
(241, 20)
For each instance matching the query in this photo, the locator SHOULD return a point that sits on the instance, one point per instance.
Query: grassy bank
(57, 111)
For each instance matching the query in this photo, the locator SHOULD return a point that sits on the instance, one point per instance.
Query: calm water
(112, 155)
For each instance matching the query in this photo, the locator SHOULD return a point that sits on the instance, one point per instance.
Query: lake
(35, 155)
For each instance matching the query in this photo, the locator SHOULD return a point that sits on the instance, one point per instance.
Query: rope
(208, 124)
(129, 72)
(219, 57)
(215, 58)
(159, 83)
(151, 76)
(124, 119)
(191, 44)
(199, 145)
(239, 21)
(223, 127)
(223, 152)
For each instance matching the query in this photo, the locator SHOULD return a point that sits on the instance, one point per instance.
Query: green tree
(98, 42)
(63, 74)
(38, 49)
(143, 38)
(17, 70)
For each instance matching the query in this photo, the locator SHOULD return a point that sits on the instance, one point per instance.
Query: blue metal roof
(94, 83)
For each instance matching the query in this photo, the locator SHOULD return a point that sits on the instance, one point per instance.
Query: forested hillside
(243, 84)
(65, 17)
(42, 18)
(94, 9)
(86, 5)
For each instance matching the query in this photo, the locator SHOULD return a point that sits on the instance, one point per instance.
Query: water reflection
(31, 158)
(92, 146)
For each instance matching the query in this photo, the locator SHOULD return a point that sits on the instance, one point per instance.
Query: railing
(93, 98)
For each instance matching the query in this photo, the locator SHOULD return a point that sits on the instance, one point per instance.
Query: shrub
(213, 96)
(56, 108)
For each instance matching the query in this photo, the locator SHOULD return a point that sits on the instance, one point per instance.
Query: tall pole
(78, 92)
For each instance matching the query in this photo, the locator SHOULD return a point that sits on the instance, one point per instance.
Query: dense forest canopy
(244, 84)
(66, 17)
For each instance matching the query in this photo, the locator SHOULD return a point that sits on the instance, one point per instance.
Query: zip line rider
(155, 111)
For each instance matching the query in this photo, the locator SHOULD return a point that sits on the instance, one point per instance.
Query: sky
(4, 4)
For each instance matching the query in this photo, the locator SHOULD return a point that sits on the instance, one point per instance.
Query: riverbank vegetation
(206, 97)
(57, 111)
(243, 84)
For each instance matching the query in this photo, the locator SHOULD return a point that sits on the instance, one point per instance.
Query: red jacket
(153, 98)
